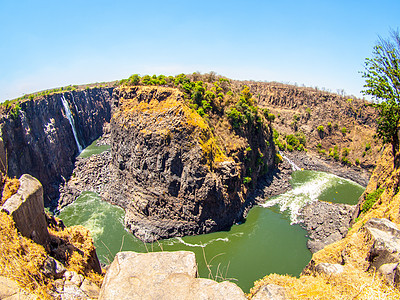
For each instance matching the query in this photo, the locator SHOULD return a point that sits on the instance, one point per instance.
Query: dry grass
(9, 187)
(77, 250)
(151, 105)
(21, 259)
(351, 284)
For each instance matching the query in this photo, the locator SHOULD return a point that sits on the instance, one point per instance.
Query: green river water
(265, 243)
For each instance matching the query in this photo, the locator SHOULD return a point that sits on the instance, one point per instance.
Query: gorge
(173, 170)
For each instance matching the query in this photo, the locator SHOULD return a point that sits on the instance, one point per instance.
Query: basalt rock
(169, 173)
(325, 222)
(162, 275)
(27, 210)
(40, 141)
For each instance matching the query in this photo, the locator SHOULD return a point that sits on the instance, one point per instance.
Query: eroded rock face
(27, 210)
(162, 275)
(325, 222)
(386, 242)
(169, 173)
(40, 140)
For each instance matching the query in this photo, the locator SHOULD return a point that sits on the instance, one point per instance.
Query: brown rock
(162, 275)
(27, 210)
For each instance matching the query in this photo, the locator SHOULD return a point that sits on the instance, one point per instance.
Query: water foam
(295, 199)
(201, 245)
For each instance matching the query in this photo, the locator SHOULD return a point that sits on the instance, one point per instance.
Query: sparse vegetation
(246, 180)
(370, 199)
(320, 129)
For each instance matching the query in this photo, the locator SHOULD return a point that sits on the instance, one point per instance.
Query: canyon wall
(40, 141)
(172, 177)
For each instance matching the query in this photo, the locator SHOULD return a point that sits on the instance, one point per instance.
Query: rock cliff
(40, 141)
(167, 169)
(337, 128)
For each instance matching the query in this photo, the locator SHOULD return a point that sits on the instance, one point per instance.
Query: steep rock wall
(171, 176)
(344, 122)
(40, 141)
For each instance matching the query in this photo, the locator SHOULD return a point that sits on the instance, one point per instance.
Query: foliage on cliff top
(206, 105)
(21, 259)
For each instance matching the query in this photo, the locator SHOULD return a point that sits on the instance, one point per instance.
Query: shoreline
(93, 174)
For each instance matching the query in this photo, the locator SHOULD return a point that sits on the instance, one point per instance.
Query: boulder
(386, 242)
(53, 267)
(9, 290)
(329, 269)
(27, 210)
(270, 292)
(389, 272)
(162, 275)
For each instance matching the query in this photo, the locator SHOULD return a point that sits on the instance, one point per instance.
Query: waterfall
(292, 164)
(71, 121)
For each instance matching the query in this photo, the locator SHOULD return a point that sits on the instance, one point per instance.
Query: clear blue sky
(47, 44)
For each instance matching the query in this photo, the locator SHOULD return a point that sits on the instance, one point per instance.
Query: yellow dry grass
(351, 284)
(10, 187)
(80, 249)
(165, 102)
(21, 259)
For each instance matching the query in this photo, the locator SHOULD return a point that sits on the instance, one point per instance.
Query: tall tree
(382, 82)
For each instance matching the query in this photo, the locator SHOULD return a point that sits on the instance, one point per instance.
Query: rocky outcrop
(27, 210)
(9, 290)
(385, 237)
(307, 161)
(40, 140)
(167, 170)
(270, 292)
(325, 222)
(162, 275)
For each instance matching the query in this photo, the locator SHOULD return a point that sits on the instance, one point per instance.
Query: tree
(382, 82)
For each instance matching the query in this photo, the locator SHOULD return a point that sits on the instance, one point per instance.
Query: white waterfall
(292, 164)
(71, 121)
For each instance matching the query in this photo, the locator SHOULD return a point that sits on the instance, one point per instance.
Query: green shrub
(246, 180)
(301, 137)
(367, 146)
(345, 152)
(357, 161)
(235, 117)
(344, 130)
(292, 140)
(346, 161)
(320, 128)
(319, 145)
(370, 200)
(329, 125)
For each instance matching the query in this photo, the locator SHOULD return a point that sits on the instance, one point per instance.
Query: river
(269, 241)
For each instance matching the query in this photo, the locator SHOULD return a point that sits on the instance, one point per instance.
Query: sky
(324, 43)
